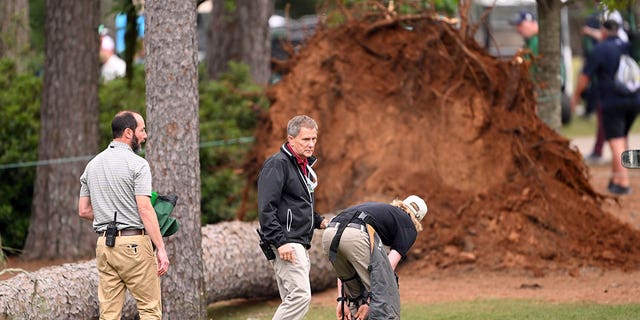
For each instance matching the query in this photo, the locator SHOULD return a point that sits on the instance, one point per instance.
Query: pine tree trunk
(69, 128)
(549, 87)
(240, 34)
(234, 267)
(172, 150)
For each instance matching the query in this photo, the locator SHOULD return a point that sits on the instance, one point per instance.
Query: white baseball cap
(417, 206)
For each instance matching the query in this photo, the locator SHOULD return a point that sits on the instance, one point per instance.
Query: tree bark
(14, 31)
(240, 34)
(549, 86)
(69, 128)
(233, 264)
(172, 150)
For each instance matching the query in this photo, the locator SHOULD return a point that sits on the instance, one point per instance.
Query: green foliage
(334, 15)
(449, 7)
(19, 132)
(36, 22)
(227, 111)
(296, 8)
(120, 94)
(621, 5)
(230, 5)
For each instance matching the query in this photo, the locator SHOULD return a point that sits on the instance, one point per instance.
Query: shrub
(19, 131)
(227, 113)
(227, 120)
(228, 110)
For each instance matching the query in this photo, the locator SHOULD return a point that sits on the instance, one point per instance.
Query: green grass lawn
(474, 310)
(581, 127)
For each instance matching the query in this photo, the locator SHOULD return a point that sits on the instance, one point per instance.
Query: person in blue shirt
(591, 35)
(618, 111)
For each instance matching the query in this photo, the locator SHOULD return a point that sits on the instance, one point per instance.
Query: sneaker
(618, 189)
(594, 159)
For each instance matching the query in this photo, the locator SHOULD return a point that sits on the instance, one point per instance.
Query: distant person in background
(112, 66)
(591, 37)
(618, 111)
(604, 14)
(527, 26)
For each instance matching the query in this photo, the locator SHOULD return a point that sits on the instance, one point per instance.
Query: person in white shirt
(112, 66)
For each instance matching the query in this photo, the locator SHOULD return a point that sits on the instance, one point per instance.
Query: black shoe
(594, 159)
(618, 189)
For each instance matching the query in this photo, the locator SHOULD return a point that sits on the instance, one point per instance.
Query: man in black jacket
(287, 218)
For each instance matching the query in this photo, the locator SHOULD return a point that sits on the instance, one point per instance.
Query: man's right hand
(287, 253)
(363, 312)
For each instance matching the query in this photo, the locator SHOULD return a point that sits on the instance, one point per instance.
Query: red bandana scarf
(302, 161)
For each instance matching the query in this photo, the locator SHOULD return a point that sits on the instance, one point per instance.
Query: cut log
(234, 267)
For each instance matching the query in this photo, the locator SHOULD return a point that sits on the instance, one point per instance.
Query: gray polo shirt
(112, 180)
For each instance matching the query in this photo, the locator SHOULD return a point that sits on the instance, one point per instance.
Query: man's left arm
(152, 228)
(394, 258)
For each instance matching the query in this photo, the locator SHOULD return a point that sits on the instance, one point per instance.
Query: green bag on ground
(163, 205)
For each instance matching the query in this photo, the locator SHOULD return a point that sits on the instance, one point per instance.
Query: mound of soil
(419, 108)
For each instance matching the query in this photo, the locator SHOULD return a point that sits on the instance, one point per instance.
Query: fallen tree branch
(234, 267)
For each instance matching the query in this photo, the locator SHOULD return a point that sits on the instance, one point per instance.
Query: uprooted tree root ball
(417, 107)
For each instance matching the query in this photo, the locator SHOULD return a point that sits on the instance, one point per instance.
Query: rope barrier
(25, 164)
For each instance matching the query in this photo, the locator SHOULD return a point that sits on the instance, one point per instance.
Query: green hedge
(228, 110)
(19, 132)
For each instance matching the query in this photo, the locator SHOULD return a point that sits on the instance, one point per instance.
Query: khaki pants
(353, 257)
(130, 264)
(293, 284)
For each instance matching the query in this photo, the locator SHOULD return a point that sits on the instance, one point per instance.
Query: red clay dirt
(420, 108)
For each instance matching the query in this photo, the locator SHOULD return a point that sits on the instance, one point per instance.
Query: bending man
(354, 244)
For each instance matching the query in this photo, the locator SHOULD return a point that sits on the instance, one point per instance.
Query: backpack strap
(335, 242)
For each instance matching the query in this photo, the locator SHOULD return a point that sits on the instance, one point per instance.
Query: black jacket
(285, 202)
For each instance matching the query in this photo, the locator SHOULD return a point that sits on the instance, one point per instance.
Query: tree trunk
(240, 34)
(172, 150)
(549, 84)
(69, 128)
(233, 264)
(14, 31)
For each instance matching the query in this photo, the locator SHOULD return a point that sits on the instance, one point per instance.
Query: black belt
(125, 232)
(362, 227)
